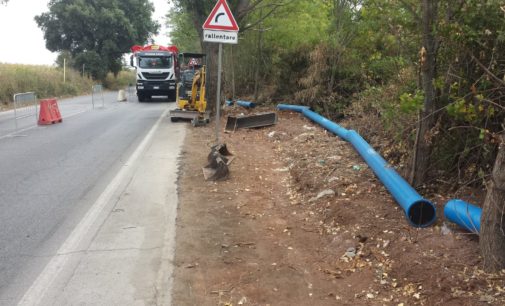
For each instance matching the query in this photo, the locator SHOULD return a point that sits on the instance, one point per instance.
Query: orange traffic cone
(49, 112)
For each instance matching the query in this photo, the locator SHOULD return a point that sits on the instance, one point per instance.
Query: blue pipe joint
(246, 104)
(294, 108)
(229, 103)
(464, 214)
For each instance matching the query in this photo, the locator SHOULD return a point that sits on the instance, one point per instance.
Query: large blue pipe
(419, 211)
(246, 104)
(242, 103)
(463, 214)
(290, 107)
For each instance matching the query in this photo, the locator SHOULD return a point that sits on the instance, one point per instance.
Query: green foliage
(412, 103)
(123, 79)
(97, 32)
(182, 31)
(330, 54)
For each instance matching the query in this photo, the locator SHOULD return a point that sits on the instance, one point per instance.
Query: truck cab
(156, 71)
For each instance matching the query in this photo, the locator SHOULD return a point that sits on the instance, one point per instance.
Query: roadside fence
(97, 95)
(130, 91)
(25, 106)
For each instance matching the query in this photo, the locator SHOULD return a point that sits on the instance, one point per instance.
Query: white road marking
(38, 289)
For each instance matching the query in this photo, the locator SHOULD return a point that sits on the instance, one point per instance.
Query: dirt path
(263, 237)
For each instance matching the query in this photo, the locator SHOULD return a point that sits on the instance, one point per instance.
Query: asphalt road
(59, 184)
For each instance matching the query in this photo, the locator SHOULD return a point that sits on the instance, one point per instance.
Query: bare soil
(263, 237)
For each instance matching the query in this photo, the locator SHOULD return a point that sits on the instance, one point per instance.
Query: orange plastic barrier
(49, 112)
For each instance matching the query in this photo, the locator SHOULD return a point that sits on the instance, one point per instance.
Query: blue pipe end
(421, 213)
(463, 214)
(246, 104)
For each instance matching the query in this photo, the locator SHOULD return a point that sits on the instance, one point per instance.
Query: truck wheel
(141, 98)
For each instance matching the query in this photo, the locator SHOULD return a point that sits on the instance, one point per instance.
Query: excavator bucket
(218, 161)
(222, 149)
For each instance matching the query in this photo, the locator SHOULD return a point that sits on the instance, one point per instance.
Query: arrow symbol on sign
(218, 15)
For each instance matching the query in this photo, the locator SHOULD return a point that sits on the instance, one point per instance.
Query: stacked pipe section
(418, 211)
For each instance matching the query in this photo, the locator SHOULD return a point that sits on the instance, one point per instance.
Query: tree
(428, 62)
(492, 236)
(183, 34)
(97, 32)
(241, 9)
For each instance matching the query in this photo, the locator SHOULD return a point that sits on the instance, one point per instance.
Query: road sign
(225, 37)
(221, 18)
(220, 27)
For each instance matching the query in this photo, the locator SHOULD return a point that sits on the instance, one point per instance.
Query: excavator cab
(191, 89)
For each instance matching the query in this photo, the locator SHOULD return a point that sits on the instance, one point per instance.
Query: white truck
(157, 71)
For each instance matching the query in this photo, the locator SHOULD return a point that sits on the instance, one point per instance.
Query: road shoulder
(124, 256)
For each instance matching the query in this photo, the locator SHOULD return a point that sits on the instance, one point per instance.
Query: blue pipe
(295, 108)
(246, 104)
(242, 103)
(327, 124)
(463, 214)
(419, 211)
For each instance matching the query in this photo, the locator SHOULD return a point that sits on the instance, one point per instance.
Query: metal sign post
(218, 101)
(220, 27)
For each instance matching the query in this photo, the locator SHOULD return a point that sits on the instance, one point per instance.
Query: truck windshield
(155, 62)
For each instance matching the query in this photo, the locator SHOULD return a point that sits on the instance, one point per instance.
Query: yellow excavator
(191, 90)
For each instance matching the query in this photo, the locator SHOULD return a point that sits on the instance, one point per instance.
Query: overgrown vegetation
(423, 80)
(364, 58)
(47, 81)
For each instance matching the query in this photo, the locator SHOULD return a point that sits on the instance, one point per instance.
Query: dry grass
(121, 81)
(45, 81)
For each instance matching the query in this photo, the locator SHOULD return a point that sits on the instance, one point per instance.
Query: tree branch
(411, 10)
(487, 71)
(272, 10)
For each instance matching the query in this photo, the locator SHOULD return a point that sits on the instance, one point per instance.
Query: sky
(22, 42)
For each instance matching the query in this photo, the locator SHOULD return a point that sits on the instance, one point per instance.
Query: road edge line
(35, 294)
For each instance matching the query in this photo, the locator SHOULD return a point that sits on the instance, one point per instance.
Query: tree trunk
(212, 51)
(258, 61)
(492, 236)
(423, 146)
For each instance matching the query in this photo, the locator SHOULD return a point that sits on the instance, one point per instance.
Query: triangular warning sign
(221, 18)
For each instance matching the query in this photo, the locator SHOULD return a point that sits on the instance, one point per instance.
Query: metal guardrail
(130, 91)
(97, 94)
(25, 106)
